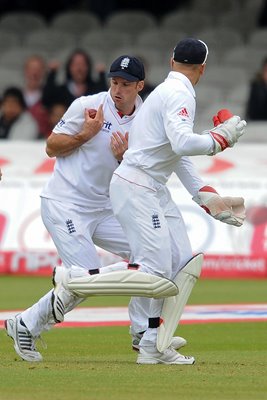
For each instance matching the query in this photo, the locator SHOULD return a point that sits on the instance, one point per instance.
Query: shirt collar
(184, 79)
(138, 103)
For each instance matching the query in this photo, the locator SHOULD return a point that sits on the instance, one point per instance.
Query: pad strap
(154, 322)
(93, 271)
(133, 266)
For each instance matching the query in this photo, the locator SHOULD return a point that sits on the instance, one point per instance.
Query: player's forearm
(63, 145)
(189, 176)
(192, 145)
(185, 142)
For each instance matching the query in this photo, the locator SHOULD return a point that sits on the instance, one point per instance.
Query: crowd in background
(35, 108)
(257, 99)
(40, 104)
(32, 112)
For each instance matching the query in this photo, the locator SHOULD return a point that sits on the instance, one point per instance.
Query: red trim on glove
(220, 139)
(206, 209)
(208, 189)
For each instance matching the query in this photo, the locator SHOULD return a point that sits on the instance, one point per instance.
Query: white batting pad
(122, 283)
(173, 306)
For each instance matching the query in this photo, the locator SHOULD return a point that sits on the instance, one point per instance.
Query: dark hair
(258, 77)
(87, 60)
(17, 94)
(264, 62)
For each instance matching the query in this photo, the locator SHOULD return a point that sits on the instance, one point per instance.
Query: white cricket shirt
(162, 132)
(83, 177)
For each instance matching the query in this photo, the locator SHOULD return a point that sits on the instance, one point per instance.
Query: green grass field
(98, 363)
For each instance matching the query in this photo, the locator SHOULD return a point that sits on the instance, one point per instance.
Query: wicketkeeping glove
(230, 210)
(227, 134)
(222, 116)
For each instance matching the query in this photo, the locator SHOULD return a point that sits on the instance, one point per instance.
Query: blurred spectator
(78, 81)
(16, 122)
(34, 77)
(257, 99)
(55, 113)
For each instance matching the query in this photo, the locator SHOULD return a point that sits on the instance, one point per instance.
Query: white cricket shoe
(24, 342)
(61, 297)
(177, 342)
(150, 355)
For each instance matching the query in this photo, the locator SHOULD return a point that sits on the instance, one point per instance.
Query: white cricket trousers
(156, 234)
(75, 232)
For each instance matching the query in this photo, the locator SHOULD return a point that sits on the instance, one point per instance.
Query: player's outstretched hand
(230, 210)
(227, 134)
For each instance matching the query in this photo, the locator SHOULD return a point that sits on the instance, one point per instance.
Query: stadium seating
(10, 76)
(256, 132)
(161, 38)
(157, 73)
(9, 40)
(204, 116)
(75, 22)
(105, 39)
(49, 40)
(220, 39)
(258, 38)
(224, 76)
(22, 23)
(131, 21)
(237, 45)
(207, 94)
(214, 8)
(15, 58)
(186, 21)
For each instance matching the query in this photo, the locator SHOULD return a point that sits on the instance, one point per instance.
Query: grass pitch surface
(98, 363)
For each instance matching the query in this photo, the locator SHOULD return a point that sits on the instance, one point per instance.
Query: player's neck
(129, 111)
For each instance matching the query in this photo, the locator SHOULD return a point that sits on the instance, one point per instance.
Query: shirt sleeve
(178, 122)
(188, 175)
(73, 119)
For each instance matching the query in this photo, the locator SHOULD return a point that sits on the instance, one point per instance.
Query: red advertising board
(215, 266)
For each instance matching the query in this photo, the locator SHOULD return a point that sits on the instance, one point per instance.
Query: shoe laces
(171, 350)
(42, 341)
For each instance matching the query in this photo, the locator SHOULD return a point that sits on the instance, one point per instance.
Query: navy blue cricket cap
(127, 67)
(191, 51)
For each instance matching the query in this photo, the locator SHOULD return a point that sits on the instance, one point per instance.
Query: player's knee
(163, 270)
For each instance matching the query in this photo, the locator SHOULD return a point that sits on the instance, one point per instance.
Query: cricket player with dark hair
(161, 140)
